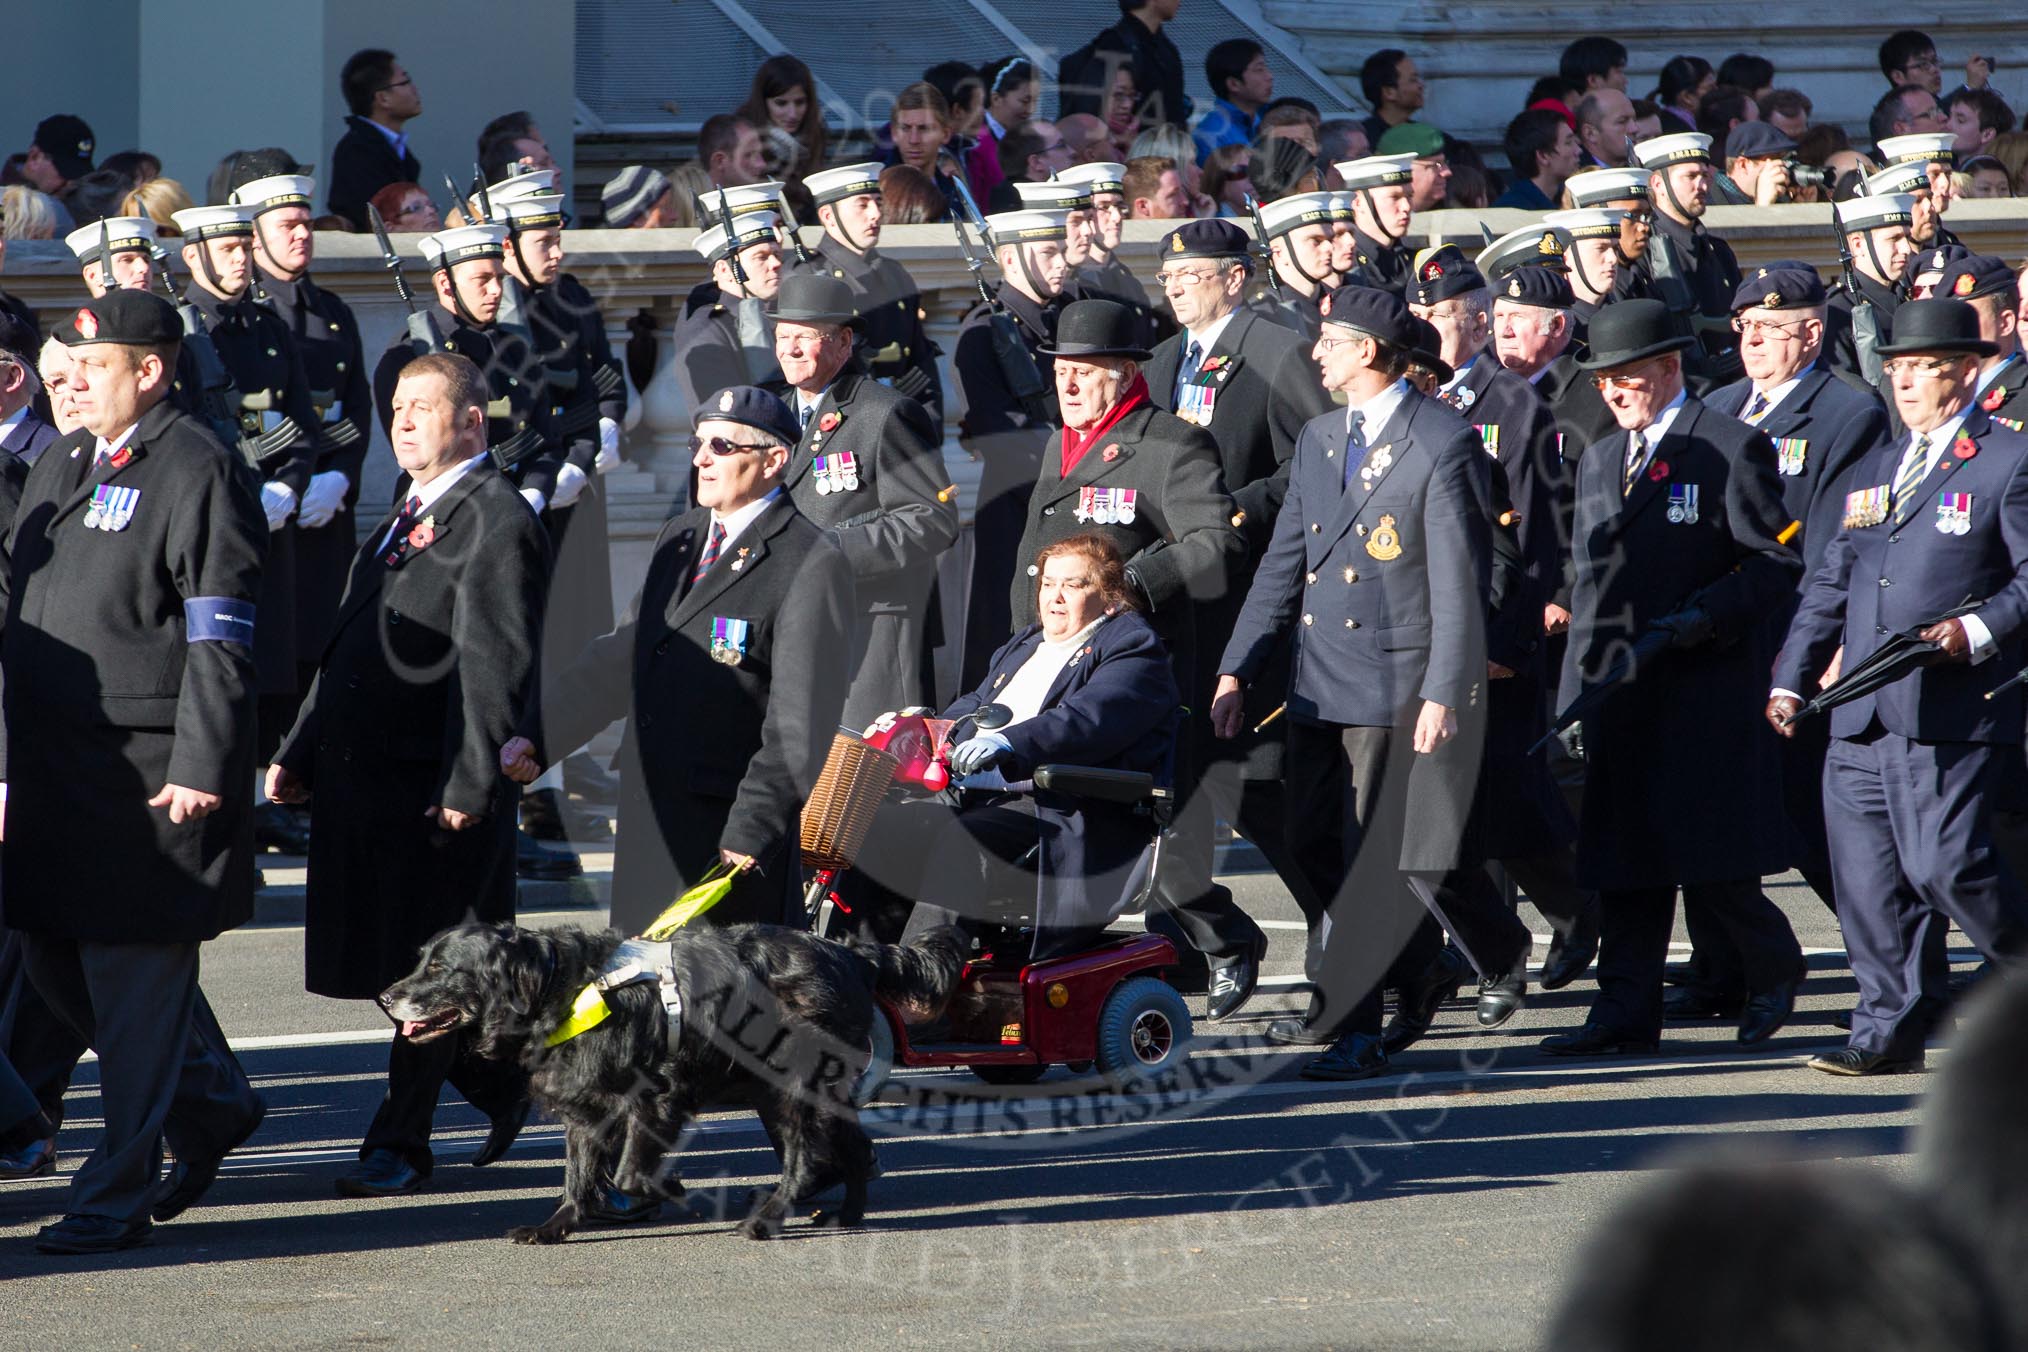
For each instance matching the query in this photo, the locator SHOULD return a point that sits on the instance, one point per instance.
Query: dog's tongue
(410, 1027)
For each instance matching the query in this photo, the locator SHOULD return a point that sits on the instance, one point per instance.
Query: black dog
(775, 1016)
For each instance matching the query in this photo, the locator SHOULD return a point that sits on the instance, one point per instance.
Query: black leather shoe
(1767, 1011)
(1297, 1033)
(1570, 955)
(1419, 1002)
(506, 1127)
(92, 1234)
(1232, 981)
(29, 1161)
(380, 1173)
(539, 863)
(276, 828)
(1498, 1000)
(614, 1207)
(1689, 1004)
(1853, 1061)
(1356, 1056)
(188, 1179)
(1595, 1039)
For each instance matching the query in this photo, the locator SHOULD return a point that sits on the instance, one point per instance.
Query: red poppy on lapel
(1993, 399)
(1213, 363)
(1658, 470)
(118, 459)
(1111, 452)
(423, 534)
(1964, 448)
(828, 421)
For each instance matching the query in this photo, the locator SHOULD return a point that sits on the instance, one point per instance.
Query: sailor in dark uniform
(1104, 275)
(1623, 190)
(712, 207)
(1299, 244)
(1932, 188)
(1381, 215)
(1876, 232)
(128, 241)
(1691, 270)
(731, 340)
(1592, 261)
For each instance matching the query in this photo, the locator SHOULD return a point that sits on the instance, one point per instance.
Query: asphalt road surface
(1440, 1207)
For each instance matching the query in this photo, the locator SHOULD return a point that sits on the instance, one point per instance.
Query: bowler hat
(1938, 324)
(1097, 328)
(814, 298)
(1633, 330)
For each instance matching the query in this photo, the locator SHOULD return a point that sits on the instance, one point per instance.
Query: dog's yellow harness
(647, 958)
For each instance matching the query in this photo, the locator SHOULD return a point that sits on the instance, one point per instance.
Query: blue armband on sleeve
(218, 619)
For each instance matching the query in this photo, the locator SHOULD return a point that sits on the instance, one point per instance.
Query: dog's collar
(633, 962)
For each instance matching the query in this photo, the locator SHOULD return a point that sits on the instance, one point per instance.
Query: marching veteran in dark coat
(730, 669)
(129, 587)
(1931, 517)
(1378, 576)
(1680, 538)
(868, 467)
(427, 673)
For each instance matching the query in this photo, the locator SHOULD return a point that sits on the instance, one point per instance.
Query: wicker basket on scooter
(840, 811)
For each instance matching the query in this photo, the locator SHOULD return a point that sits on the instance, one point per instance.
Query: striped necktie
(1193, 359)
(397, 539)
(710, 555)
(1756, 408)
(1637, 455)
(1914, 469)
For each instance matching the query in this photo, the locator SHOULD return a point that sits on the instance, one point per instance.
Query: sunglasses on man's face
(720, 447)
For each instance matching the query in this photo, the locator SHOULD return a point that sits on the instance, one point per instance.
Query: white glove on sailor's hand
(978, 753)
(570, 481)
(278, 500)
(323, 498)
(609, 447)
(536, 502)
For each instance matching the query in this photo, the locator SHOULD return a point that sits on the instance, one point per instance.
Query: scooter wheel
(1143, 1030)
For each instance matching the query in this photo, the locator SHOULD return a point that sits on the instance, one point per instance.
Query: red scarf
(1075, 444)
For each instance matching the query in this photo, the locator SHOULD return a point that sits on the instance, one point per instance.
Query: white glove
(536, 502)
(609, 447)
(978, 753)
(570, 481)
(324, 497)
(278, 500)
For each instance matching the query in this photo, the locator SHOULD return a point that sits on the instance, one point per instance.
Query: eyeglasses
(1640, 218)
(720, 447)
(1187, 276)
(1333, 344)
(1625, 380)
(1922, 63)
(1749, 327)
(1051, 150)
(403, 83)
(1933, 368)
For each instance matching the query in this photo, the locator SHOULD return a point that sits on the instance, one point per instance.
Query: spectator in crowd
(96, 195)
(907, 197)
(1744, 70)
(1338, 141)
(1033, 152)
(1012, 88)
(60, 154)
(1123, 118)
(382, 100)
(1394, 90)
(2010, 148)
(1975, 117)
(1544, 152)
(637, 198)
(1088, 137)
(159, 199)
(1469, 187)
(1685, 80)
(921, 126)
(1724, 108)
(1558, 94)
(1647, 120)
(1908, 60)
(688, 182)
(1228, 179)
(1985, 177)
(782, 102)
(1594, 63)
(1902, 110)
(1154, 190)
(729, 148)
(1135, 43)
(965, 91)
(1170, 142)
(408, 209)
(138, 165)
(1428, 188)
(513, 144)
(1282, 169)
(27, 214)
(1787, 111)
(1243, 83)
(1293, 120)
(1605, 118)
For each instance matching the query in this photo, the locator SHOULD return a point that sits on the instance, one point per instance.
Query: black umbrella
(1653, 640)
(1900, 654)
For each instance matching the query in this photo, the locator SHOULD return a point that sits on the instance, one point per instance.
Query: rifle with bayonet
(795, 229)
(1865, 324)
(422, 335)
(218, 399)
(1267, 257)
(1017, 363)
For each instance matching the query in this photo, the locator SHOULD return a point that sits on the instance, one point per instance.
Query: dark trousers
(1634, 928)
(1187, 903)
(1550, 880)
(162, 1067)
(1912, 845)
(43, 1049)
(416, 1074)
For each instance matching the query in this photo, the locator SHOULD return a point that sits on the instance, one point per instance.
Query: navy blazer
(1389, 579)
(1882, 579)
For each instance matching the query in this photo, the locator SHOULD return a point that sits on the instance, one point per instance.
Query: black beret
(1205, 239)
(1429, 344)
(1442, 273)
(754, 407)
(1976, 275)
(1543, 287)
(1758, 141)
(1376, 313)
(136, 318)
(1780, 286)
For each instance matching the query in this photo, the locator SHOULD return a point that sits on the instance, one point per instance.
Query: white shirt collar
(738, 521)
(1463, 371)
(105, 447)
(1206, 338)
(1656, 430)
(1775, 396)
(12, 420)
(1375, 412)
(427, 495)
(1940, 438)
(993, 125)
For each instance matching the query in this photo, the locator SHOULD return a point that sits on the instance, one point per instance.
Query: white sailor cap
(1102, 177)
(1922, 147)
(755, 226)
(1596, 187)
(1054, 195)
(1680, 147)
(1532, 245)
(534, 183)
(1873, 212)
(447, 248)
(1909, 176)
(214, 222)
(1026, 227)
(1376, 171)
(531, 211)
(847, 180)
(1589, 223)
(1339, 205)
(123, 234)
(275, 191)
(739, 201)
(1285, 215)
